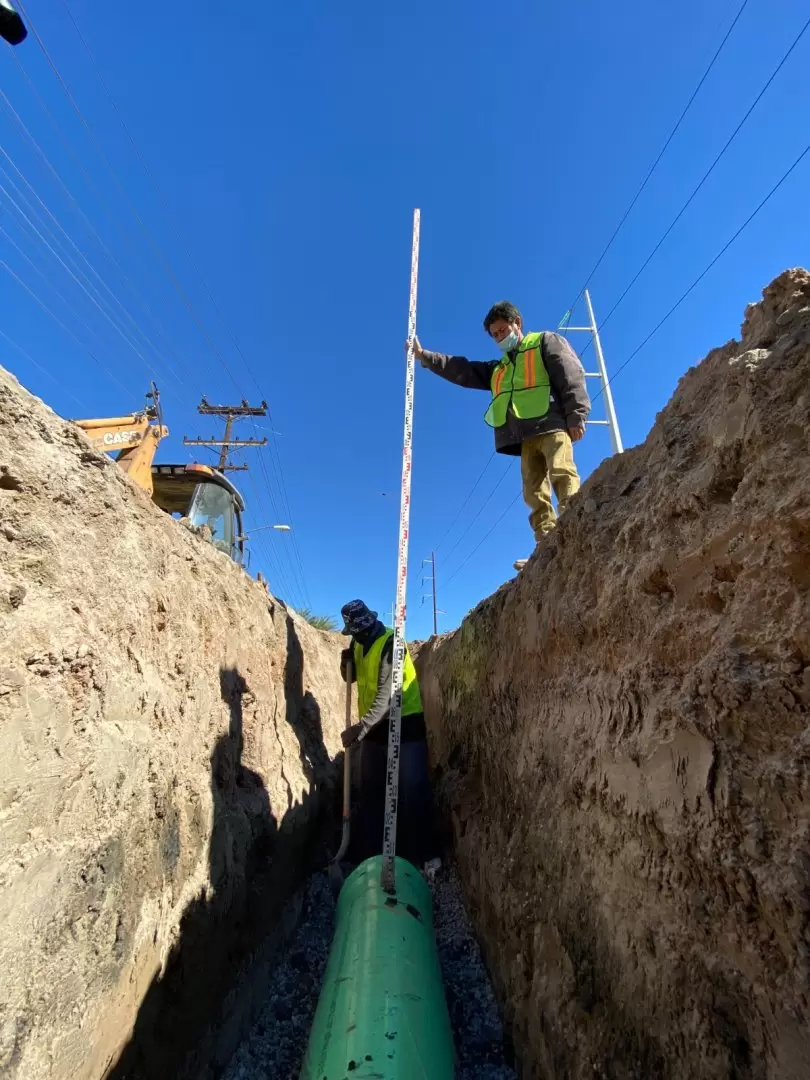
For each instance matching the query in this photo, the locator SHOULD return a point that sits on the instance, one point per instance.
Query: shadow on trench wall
(241, 909)
(303, 713)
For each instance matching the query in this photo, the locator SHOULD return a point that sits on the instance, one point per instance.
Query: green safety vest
(368, 674)
(523, 384)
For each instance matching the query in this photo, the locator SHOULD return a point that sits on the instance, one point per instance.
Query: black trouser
(416, 826)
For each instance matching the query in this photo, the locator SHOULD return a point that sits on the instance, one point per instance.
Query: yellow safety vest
(523, 384)
(368, 674)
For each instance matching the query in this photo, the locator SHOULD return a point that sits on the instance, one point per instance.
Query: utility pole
(431, 562)
(612, 421)
(229, 413)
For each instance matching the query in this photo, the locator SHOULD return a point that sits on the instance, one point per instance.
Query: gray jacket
(569, 405)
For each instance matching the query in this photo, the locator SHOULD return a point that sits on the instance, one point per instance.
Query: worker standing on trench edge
(539, 407)
(372, 655)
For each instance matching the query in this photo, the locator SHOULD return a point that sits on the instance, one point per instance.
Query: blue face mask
(511, 341)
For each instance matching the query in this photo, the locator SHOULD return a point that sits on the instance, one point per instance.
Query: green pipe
(382, 1013)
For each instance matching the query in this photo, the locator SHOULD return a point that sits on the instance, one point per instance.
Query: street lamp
(12, 28)
(249, 533)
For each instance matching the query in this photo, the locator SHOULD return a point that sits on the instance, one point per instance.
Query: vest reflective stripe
(500, 374)
(523, 384)
(531, 370)
(368, 675)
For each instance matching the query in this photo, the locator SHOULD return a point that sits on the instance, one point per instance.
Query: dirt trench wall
(622, 745)
(166, 731)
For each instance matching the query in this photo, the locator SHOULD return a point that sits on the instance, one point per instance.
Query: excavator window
(213, 506)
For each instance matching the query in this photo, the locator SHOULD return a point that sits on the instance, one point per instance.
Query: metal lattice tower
(612, 422)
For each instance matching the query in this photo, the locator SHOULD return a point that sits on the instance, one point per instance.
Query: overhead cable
(707, 268)
(704, 178)
(79, 282)
(670, 313)
(661, 153)
(67, 329)
(273, 447)
(59, 382)
(483, 540)
(153, 243)
(481, 509)
(470, 494)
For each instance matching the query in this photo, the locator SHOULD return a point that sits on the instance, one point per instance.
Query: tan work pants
(546, 462)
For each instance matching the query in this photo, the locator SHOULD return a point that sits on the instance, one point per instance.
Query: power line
(481, 509)
(486, 537)
(195, 266)
(153, 243)
(705, 177)
(123, 277)
(49, 165)
(298, 568)
(466, 501)
(46, 228)
(718, 256)
(663, 320)
(663, 150)
(274, 562)
(59, 382)
(83, 322)
(228, 443)
(228, 413)
(620, 225)
(46, 161)
(67, 329)
(77, 280)
(142, 225)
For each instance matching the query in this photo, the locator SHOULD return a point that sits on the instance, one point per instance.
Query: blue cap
(357, 618)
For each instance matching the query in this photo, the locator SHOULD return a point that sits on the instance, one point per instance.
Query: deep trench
(275, 1046)
(237, 996)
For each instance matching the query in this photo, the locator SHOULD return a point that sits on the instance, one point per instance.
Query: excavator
(199, 495)
(134, 439)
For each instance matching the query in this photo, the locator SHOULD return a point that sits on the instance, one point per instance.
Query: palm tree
(320, 622)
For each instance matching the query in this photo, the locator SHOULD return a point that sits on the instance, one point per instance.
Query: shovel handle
(347, 776)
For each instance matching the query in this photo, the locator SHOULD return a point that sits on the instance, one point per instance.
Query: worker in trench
(372, 657)
(538, 409)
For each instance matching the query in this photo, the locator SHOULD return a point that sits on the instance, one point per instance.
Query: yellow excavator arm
(133, 439)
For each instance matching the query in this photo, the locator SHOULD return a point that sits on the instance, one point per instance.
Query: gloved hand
(349, 736)
(346, 658)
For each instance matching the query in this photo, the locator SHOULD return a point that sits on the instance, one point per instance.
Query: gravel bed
(477, 1030)
(275, 1047)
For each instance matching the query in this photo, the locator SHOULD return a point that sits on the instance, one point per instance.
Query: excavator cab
(203, 497)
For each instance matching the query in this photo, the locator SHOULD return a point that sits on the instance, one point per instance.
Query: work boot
(519, 564)
(431, 868)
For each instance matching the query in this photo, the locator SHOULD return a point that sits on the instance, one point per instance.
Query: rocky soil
(622, 743)
(167, 733)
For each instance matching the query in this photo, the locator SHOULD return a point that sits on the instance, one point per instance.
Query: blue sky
(290, 144)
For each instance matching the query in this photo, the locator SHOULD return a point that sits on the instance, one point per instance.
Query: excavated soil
(169, 735)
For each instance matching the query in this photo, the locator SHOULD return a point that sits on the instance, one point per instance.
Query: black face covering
(367, 637)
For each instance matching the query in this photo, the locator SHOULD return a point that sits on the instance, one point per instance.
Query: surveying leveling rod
(388, 880)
